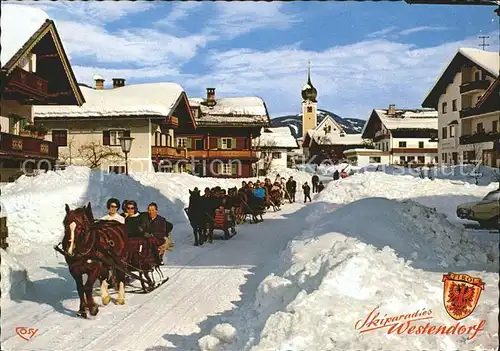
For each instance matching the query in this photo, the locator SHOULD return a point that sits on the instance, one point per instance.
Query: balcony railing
(479, 138)
(379, 135)
(476, 85)
(21, 146)
(172, 152)
(28, 81)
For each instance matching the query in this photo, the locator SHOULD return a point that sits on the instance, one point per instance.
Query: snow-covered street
(300, 280)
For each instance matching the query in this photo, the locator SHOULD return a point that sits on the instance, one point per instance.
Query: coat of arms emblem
(461, 294)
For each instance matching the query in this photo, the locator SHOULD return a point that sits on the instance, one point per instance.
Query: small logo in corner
(461, 294)
(26, 333)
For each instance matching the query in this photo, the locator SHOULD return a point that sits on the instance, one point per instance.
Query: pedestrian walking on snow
(315, 181)
(307, 192)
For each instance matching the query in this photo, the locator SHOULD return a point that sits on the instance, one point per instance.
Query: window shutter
(126, 133)
(188, 143)
(234, 167)
(233, 143)
(105, 137)
(219, 143)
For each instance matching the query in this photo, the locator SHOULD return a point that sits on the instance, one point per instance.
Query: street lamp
(126, 144)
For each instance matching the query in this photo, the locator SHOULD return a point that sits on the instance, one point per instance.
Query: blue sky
(364, 55)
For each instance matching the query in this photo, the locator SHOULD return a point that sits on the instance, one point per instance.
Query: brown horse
(86, 246)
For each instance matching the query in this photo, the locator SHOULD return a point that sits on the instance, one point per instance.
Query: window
(60, 137)
(198, 144)
(111, 137)
(263, 155)
(444, 133)
(477, 75)
(479, 128)
(410, 158)
(276, 155)
(452, 131)
(227, 143)
(309, 109)
(117, 169)
(226, 169)
(375, 159)
(195, 112)
(444, 107)
(454, 105)
(114, 137)
(402, 144)
(443, 157)
(420, 144)
(181, 142)
(421, 159)
(494, 126)
(401, 159)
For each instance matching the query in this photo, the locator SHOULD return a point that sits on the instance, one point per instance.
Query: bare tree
(94, 154)
(67, 157)
(266, 157)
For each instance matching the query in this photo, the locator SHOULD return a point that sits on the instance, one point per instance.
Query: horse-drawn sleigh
(102, 250)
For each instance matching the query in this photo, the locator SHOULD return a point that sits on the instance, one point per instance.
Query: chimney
(210, 96)
(99, 82)
(118, 82)
(391, 110)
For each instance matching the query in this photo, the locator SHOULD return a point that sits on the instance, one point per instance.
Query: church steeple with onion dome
(309, 104)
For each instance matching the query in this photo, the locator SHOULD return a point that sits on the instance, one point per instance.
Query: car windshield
(492, 195)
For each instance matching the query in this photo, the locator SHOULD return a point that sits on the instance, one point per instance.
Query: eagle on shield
(461, 294)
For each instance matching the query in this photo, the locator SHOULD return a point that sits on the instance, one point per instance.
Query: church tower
(309, 104)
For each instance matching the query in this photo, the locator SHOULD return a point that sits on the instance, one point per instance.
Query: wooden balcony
(15, 146)
(479, 138)
(474, 86)
(168, 123)
(409, 150)
(26, 85)
(172, 152)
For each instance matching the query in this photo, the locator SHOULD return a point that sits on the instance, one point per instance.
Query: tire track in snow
(187, 288)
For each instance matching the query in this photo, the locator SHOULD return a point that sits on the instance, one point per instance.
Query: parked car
(486, 211)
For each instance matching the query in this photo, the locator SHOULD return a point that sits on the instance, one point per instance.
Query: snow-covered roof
(322, 138)
(238, 111)
(371, 151)
(409, 119)
(19, 23)
(150, 99)
(279, 138)
(488, 60)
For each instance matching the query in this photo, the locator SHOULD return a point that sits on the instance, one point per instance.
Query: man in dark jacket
(336, 175)
(291, 188)
(154, 225)
(315, 181)
(321, 187)
(307, 192)
(209, 205)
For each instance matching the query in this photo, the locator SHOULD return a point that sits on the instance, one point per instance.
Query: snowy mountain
(350, 125)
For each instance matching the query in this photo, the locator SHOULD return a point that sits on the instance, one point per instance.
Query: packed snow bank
(14, 282)
(352, 261)
(357, 258)
(444, 195)
(35, 205)
(480, 175)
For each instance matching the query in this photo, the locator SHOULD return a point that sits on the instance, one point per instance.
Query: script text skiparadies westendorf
(406, 324)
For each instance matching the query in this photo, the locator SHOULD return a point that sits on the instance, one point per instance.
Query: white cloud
(92, 11)
(238, 18)
(351, 79)
(140, 47)
(180, 10)
(382, 32)
(422, 29)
